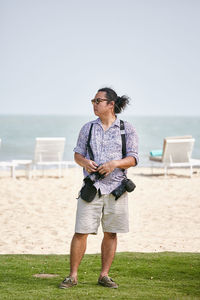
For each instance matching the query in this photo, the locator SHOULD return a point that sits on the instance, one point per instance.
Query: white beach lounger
(8, 165)
(48, 152)
(177, 153)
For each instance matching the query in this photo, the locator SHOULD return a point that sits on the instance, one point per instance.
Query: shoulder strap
(122, 129)
(90, 152)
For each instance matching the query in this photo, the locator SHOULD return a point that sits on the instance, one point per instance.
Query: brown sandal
(107, 282)
(68, 282)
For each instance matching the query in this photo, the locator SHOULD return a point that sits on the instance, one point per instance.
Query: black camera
(127, 185)
(96, 176)
(88, 191)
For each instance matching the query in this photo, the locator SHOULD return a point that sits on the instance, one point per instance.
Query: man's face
(102, 108)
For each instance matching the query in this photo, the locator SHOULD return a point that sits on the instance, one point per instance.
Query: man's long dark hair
(120, 102)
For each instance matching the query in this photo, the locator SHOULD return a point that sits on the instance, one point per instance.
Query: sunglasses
(98, 100)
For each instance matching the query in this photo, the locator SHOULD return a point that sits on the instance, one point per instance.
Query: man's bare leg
(77, 251)
(108, 249)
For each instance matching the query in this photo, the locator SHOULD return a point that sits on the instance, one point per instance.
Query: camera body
(96, 176)
(127, 185)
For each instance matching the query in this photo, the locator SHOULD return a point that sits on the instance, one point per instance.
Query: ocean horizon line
(92, 115)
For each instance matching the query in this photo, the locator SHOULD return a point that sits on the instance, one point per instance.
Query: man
(106, 144)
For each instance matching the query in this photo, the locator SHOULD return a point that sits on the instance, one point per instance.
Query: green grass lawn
(139, 275)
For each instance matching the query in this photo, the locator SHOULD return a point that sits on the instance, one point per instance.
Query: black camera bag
(88, 191)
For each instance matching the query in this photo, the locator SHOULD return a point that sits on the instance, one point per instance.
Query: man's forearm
(126, 162)
(87, 164)
(80, 159)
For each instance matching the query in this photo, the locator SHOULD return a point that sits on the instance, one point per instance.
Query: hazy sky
(55, 54)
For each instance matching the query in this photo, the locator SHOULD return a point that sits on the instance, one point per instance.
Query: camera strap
(89, 149)
(123, 137)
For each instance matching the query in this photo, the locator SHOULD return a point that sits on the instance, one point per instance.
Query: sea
(18, 133)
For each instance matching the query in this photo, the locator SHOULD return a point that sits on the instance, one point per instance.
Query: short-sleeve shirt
(107, 145)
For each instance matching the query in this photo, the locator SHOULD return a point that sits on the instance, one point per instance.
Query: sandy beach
(37, 216)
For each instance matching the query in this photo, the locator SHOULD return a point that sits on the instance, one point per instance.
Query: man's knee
(80, 236)
(110, 235)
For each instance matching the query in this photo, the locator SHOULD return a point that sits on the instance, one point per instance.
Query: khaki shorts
(112, 214)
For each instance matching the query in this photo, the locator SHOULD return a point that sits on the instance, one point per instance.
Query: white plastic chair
(8, 164)
(177, 153)
(48, 152)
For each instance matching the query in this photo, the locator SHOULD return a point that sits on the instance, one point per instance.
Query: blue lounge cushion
(156, 152)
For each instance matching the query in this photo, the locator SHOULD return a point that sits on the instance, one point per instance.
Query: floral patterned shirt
(107, 145)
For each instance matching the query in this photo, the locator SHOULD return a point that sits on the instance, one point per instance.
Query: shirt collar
(115, 123)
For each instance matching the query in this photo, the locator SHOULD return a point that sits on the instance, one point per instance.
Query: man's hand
(107, 167)
(90, 166)
(87, 164)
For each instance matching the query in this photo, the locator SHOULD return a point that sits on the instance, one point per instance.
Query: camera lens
(129, 184)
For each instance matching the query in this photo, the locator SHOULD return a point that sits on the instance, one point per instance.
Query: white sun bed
(177, 153)
(8, 165)
(48, 152)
